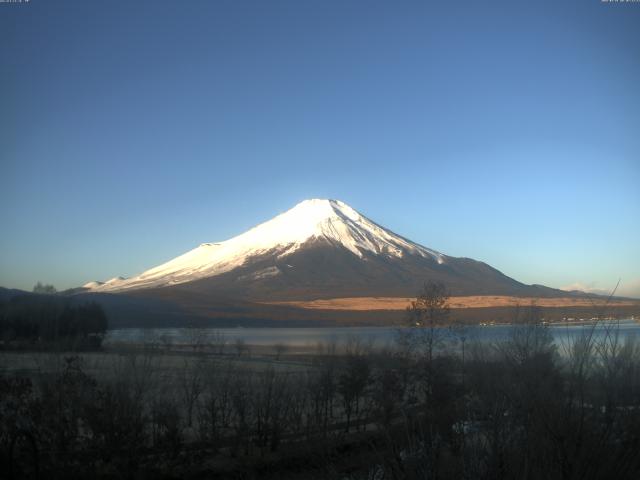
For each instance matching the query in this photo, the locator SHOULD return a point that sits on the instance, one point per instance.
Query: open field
(113, 362)
(474, 301)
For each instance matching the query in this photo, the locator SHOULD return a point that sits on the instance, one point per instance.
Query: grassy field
(475, 301)
(168, 364)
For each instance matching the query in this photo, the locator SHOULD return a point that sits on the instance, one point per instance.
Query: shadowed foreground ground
(514, 408)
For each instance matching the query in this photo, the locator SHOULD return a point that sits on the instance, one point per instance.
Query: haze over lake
(307, 337)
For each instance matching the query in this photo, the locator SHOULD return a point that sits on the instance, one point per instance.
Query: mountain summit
(311, 220)
(318, 249)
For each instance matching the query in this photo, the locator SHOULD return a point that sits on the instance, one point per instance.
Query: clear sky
(505, 131)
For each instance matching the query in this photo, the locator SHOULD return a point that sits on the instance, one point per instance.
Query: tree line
(44, 320)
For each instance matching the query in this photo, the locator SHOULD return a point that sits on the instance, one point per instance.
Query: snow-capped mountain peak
(315, 219)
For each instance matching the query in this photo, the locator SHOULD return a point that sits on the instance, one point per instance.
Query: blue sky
(504, 131)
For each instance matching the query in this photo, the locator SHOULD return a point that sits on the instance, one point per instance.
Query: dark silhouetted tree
(44, 288)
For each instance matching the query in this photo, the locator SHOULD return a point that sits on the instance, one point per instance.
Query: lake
(309, 337)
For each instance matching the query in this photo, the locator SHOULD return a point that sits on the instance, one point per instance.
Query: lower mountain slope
(318, 250)
(321, 269)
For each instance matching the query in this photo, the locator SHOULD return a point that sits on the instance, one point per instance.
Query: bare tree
(428, 312)
(241, 346)
(44, 288)
(197, 338)
(241, 391)
(270, 400)
(218, 342)
(215, 413)
(528, 337)
(192, 383)
(426, 316)
(352, 384)
(280, 349)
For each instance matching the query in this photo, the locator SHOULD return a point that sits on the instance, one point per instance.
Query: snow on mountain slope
(330, 220)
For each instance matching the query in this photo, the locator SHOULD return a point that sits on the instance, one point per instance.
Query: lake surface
(309, 337)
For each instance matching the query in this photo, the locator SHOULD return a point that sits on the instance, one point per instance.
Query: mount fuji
(318, 249)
